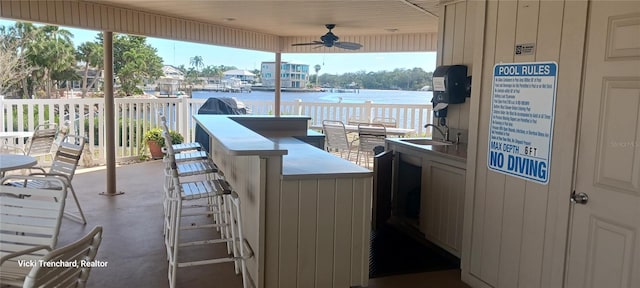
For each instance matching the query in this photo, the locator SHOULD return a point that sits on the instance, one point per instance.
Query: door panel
(604, 247)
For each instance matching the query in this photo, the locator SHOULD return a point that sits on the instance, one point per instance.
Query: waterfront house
(292, 75)
(243, 75)
(169, 83)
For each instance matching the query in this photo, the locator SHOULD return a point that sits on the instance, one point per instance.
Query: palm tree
(196, 61)
(52, 52)
(91, 54)
(317, 68)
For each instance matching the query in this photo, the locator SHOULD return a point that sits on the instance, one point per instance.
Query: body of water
(377, 96)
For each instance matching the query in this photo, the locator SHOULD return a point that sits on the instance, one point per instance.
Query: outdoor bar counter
(306, 213)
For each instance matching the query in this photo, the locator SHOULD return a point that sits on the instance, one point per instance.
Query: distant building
(243, 75)
(291, 75)
(170, 82)
(91, 75)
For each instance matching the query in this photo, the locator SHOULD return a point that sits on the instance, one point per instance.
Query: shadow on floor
(394, 252)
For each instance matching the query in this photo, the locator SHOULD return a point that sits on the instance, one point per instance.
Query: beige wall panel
(34, 10)
(324, 259)
(457, 49)
(525, 28)
(342, 249)
(288, 247)
(272, 243)
(494, 212)
(24, 8)
(511, 236)
(449, 30)
(568, 93)
(97, 18)
(59, 12)
(534, 222)
(480, 168)
(459, 33)
(306, 266)
(361, 232)
(89, 18)
(527, 220)
(42, 12)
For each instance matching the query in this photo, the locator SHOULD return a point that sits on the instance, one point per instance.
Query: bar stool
(179, 196)
(191, 164)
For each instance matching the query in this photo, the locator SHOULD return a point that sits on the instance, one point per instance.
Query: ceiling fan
(331, 40)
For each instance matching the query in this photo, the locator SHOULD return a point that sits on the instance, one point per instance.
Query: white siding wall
(456, 48)
(515, 230)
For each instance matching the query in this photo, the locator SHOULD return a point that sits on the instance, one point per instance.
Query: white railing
(136, 116)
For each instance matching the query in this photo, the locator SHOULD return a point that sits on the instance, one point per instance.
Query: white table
(12, 135)
(10, 162)
(391, 131)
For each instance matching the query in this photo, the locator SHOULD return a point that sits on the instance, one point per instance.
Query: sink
(425, 142)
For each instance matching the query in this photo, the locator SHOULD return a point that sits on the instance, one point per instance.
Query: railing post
(298, 106)
(3, 113)
(183, 126)
(367, 110)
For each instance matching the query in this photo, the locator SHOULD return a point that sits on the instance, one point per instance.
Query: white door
(604, 244)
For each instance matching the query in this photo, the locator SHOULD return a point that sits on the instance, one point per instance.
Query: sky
(178, 53)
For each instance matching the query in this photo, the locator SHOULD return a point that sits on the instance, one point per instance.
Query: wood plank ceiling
(380, 25)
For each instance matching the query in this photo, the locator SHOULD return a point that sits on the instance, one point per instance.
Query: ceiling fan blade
(348, 45)
(311, 43)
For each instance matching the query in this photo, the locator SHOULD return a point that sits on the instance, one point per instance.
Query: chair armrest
(24, 252)
(56, 175)
(37, 168)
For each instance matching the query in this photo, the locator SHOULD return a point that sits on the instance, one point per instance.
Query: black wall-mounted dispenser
(450, 84)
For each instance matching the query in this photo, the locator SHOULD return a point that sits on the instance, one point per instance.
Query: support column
(109, 110)
(276, 105)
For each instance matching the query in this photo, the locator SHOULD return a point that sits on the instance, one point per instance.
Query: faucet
(445, 134)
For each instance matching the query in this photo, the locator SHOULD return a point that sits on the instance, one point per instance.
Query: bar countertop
(237, 139)
(300, 160)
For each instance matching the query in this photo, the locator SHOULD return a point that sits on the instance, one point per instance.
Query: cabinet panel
(441, 209)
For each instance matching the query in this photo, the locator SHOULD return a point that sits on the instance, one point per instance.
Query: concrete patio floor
(133, 242)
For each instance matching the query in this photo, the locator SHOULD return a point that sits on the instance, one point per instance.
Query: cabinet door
(441, 205)
(382, 169)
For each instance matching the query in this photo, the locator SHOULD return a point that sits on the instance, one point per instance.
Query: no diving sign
(522, 112)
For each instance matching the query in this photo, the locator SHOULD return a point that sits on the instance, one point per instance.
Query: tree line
(37, 61)
(398, 79)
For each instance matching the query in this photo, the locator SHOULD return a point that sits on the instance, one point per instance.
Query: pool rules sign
(522, 112)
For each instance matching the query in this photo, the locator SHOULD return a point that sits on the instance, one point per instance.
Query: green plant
(155, 134)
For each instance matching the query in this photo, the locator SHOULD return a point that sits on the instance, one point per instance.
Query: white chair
(29, 225)
(336, 138)
(210, 197)
(41, 143)
(82, 250)
(194, 147)
(64, 167)
(369, 136)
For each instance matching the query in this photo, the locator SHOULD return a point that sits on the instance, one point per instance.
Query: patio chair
(386, 122)
(182, 147)
(41, 143)
(369, 136)
(82, 250)
(30, 225)
(336, 137)
(64, 165)
(210, 197)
